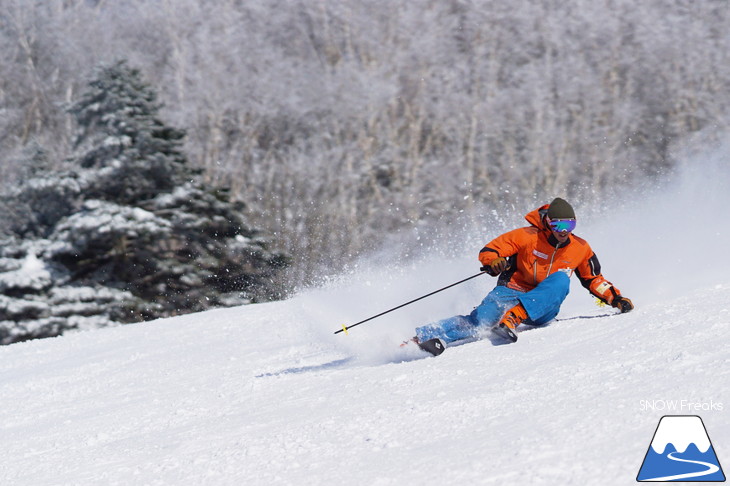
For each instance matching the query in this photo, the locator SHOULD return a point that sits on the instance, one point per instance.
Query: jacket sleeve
(589, 274)
(505, 245)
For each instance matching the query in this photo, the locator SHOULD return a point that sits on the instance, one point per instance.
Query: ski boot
(509, 322)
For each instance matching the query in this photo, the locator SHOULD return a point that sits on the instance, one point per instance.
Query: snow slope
(267, 394)
(250, 395)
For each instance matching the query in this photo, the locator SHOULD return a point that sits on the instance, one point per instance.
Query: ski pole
(345, 328)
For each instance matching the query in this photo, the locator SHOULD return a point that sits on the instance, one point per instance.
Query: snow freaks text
(683, 406)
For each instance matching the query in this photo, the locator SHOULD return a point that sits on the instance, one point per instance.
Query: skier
(534, 265)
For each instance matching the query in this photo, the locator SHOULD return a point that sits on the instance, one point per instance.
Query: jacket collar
(554, 241)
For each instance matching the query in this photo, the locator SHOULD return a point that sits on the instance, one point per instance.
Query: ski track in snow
(267, 394)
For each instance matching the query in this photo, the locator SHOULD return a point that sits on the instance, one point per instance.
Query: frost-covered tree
(127, 230)
(348, 124)
(136, 156)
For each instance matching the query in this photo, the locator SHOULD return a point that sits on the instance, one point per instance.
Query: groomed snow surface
(267, 394)
(257, 395)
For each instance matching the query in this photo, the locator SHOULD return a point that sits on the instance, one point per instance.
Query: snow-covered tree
(127, 230)
(343, 123)
(134, 154)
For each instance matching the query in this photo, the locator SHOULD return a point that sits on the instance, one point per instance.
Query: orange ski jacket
(534, 253)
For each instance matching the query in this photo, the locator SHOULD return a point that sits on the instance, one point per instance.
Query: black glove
(497, 266)
(622, 303)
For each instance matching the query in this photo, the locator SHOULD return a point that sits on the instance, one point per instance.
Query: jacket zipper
(552, 259)
(550, 267)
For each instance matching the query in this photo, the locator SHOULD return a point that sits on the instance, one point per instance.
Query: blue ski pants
(541, 303)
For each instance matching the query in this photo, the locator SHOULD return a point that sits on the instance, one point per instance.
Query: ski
(434, 346)
(504, 332)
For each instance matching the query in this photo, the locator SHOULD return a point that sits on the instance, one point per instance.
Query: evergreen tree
(128, 231)
(136, 156)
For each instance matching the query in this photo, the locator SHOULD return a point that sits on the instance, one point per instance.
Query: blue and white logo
(681, 451)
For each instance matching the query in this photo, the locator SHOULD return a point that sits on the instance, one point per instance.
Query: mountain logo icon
(681, 451)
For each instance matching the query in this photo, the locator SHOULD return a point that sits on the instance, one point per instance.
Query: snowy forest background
(329, 129)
